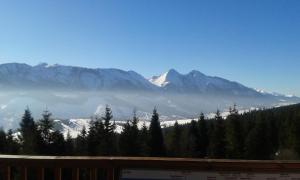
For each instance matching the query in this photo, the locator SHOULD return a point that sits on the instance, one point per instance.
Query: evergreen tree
(58, 143)
(28, 132)
(144, 140)
(234, 136)
(273, 133)
(109, 137)
(81, 143)
(92, 139)
(257, 143)
(134, 133)
(69, 145)
(129, 141)
(176, 144)
(45, 126)
(296, 134)
(156, 139)
(12, 144)
(100, 137)
(203, 136)
(96, 142)
(3, 142)
(217, 142)
(193, 140)
(124, 141)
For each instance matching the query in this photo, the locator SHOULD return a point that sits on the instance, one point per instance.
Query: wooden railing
(112, 165)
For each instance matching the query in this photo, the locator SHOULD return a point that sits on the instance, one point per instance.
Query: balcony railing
(112, 166)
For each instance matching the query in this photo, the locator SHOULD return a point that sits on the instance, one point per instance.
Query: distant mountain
(68, 77)
(78, 93)
(16, 75)
(197, 82)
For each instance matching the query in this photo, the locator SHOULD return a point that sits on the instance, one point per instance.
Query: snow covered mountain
(78, 93)
(45, 76)
(197, 82)
(56, 76)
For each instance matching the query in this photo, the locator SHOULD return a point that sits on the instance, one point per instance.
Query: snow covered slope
(74, 126)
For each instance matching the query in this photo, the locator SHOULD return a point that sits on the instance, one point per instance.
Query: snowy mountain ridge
(197, 82)
(16, 75)
(70, 77)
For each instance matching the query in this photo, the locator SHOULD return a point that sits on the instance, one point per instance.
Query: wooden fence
(111, 166)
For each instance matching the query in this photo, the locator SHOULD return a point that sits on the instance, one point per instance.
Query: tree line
(259, 134)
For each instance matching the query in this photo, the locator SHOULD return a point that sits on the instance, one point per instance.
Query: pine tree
(3, 141)
(69, 145)
(81, 143)
(134, 133)
(296, 134)
(234, 136)
(58, 143)
(129, 141)
(156, 139)
(45, 126)
(124, 141)
(203, 136)
(176, 144)
(12, 144)
(144, 140)
(93, 139)
(217, 142)
(109, 139)
(257, 143)
(193, 140)
(28, 132)
(273, 132)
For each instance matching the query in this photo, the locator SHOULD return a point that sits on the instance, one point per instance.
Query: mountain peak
(168, 77)
(172, 71)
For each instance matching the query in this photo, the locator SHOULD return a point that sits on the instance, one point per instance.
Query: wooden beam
(7, 172)
(93, 174)
(40, 174)
(191, 164)
(75, 173)
(23, 173)
(57, 173)
(110, 173)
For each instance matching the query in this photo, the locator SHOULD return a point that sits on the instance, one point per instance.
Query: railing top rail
(151, 162)
(123, 158)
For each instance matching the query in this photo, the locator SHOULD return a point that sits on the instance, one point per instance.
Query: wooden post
(7, 172)
(57, 173)
(117, 173)
(40, 174)
(110, 173)
(93, 174)
(23, 173)
(75, 173)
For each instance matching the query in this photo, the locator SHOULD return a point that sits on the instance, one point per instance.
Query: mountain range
(43, 76)
(78, 92)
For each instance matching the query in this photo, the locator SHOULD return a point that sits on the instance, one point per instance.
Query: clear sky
(255, 42)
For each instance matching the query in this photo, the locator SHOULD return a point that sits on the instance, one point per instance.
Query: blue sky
(255, 42)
